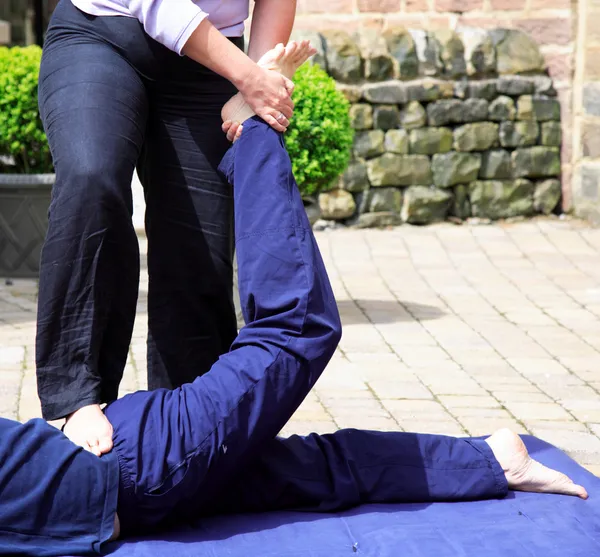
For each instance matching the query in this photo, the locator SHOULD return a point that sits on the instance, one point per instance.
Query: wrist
(244, 75)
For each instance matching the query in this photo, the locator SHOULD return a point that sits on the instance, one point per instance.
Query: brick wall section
(552, 23)
(586, 136)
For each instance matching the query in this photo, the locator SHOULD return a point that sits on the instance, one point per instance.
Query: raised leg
(180, 448)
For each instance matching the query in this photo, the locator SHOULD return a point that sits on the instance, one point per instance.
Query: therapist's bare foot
(523, 473)
(284, 60)
(89, 428)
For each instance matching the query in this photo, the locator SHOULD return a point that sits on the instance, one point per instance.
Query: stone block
(474, 110)
(590, 138)
(552, 135)
(353, 93)
(502, 108)
(482, 89)
(344, 62)
(454, 168)
(541, 109)
(496, 165)
(386, 117)
(546, 196)
(461, 206)
(428, 141)
(399, 170)
(378, 64)
(413, 115)
(384, 199)
(428, 90)
(402, 49)
(516, 52)
(424, 204)
(378, 220)
(452, 52)
(479, 136)
(361, 116)
(386, 92)
(498, 199)
(536, 162)
(591, 99)
(515, 85)
(480, 53)
(355, 177)
(369, 144)
(336, 205)
(519, 134)
(441, 113)
(428, 53)
(396, 141)
(544, 85)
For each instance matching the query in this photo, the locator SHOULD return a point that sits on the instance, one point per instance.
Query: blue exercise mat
(521, 525)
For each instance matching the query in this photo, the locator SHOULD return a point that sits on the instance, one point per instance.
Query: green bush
(320, 136)
(21, 133)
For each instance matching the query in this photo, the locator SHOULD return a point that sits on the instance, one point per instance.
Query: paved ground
(449, 329)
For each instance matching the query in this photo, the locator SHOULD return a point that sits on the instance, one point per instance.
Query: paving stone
(447, 427)
(400, 390)
(477, 426)
(536, 410)
(460, 402)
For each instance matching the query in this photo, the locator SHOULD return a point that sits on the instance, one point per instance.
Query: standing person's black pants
(112, 98)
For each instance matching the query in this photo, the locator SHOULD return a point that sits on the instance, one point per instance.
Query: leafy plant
(22, 135)
(320, 136)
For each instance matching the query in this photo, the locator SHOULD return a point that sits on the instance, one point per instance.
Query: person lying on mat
(211, 446)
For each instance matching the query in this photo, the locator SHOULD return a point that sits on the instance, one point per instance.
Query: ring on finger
(281, 117)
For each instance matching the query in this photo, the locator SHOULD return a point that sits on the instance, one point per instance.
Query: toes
(279, 52)
(93, 446)
(567, 486)
(291, 49)
(105, 445)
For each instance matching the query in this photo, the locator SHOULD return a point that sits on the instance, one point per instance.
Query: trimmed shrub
(319, 139)
(22, 135)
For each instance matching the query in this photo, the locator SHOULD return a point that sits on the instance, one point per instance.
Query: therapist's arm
(272, 23)
(267, 92)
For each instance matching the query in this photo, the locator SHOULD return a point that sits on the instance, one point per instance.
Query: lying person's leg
(179, 449)
(325, 473)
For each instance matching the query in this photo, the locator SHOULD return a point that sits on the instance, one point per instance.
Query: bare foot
(523, 473)
(284, 60)
(89, 428)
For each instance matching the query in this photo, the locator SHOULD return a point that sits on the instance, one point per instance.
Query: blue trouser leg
(210, 446)
(179, 449)
(325, 473)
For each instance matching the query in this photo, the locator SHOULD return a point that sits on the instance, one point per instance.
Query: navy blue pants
(211, 447)
(112, 98)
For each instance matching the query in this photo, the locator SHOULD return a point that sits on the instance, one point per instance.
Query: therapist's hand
(269, 95)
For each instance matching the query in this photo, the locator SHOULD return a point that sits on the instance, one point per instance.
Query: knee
(328, 329)
(92, 187)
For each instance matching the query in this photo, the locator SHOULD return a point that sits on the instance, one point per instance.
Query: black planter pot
(24, 202)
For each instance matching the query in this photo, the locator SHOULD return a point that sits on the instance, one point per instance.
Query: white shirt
(171, 22)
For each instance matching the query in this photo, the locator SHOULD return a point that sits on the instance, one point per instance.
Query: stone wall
(586, 136)
(447, 124)
(551, 23)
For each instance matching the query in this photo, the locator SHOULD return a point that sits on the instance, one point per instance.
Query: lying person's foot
(523, 473)
(89, 428)
(284, 60)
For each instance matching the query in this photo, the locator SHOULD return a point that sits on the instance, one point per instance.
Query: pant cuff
(500, 480)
